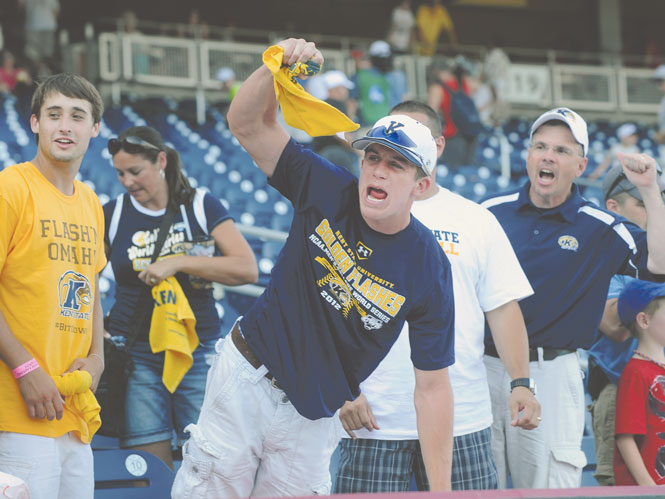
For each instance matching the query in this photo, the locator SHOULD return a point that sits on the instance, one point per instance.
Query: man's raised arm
(252, 116)
(641, 171)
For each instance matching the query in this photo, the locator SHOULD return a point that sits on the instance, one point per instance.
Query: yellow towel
(75, 386)
(172, 330)
(300, 109)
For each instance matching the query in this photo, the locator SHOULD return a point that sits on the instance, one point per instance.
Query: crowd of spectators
(372, 93)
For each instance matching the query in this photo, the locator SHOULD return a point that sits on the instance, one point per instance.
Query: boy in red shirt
(639, 457)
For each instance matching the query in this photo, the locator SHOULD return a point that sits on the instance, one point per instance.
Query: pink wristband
(26, 368)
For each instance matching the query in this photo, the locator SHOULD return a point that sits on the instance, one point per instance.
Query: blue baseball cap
(404, 135)
(634, 298)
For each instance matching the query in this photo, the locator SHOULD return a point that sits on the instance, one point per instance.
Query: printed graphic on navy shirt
(133, 243)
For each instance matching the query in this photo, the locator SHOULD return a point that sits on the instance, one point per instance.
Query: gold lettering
(364, 287)
(373, 290)
(397, 304)
(380, 296)
(387, 303)
(323, 226)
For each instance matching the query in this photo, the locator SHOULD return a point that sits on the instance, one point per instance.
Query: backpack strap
(115, 218)
(447, 87)
(199, 211)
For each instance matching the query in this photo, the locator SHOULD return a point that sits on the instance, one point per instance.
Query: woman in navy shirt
(152, 174)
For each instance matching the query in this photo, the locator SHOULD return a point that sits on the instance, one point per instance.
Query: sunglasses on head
(131, 144)
(620, 178)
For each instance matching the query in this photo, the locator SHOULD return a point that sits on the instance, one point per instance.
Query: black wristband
(525, 382)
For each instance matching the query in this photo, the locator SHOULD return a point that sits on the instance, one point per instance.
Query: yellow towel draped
(172, 331)
(300, 109)
(79, 399)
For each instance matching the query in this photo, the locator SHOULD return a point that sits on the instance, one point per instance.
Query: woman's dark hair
(180, 191)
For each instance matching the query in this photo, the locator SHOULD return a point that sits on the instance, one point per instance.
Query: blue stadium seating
(130, 474)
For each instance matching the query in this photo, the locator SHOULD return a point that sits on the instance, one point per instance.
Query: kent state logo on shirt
(74, 295)
(568, 243)
(362, 251)
(448, 240)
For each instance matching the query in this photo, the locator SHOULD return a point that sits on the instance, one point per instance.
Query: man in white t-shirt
(487, 281)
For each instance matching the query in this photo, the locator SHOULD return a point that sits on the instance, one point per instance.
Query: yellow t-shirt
(431, 21)
(51, 248)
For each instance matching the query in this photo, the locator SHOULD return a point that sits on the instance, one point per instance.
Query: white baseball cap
(574, 121)
(659, 74)
(626, 130)
(404, 135)
(379, 48)
(225, 74)
(336, 78)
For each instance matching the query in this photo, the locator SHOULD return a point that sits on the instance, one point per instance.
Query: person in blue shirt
(613, 349)
(355, 267)
(151, 172)
(569, 249)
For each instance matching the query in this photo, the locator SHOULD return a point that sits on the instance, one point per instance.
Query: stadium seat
(130, 474)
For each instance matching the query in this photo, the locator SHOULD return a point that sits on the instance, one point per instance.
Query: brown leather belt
(548, 353)
(250, 356)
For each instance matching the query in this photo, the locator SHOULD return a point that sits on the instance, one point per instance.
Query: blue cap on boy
(636, 295)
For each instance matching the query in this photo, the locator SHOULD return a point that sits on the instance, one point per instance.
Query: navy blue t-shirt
(340, 291)
(131, 233)
(569, 253)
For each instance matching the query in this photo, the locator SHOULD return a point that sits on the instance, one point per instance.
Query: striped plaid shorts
(367, 465)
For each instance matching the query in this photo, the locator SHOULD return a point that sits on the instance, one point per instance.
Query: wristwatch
(529, 383)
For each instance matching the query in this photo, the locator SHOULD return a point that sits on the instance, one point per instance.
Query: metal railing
(192, 64)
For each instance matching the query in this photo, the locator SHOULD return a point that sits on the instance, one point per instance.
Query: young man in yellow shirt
(51, 250)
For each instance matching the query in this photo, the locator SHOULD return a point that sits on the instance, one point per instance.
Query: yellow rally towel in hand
(300, 109)
(79, 399)
(172, 330)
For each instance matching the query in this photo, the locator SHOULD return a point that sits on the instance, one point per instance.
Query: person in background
(379, 87)
(496, 72)
(12, 75)
(627, 135)
(612, 350)
(51, 252)
(41, 23)
(336, 87)
(460, 149)
(227, 78)
(433, 19)
(151, 172)
(640, 419)
(401, 34)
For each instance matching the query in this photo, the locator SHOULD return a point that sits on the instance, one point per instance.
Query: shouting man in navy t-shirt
(355, 267)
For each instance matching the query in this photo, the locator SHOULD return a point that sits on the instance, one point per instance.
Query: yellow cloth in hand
(172, 331)
(79, 399)
(300, 109)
